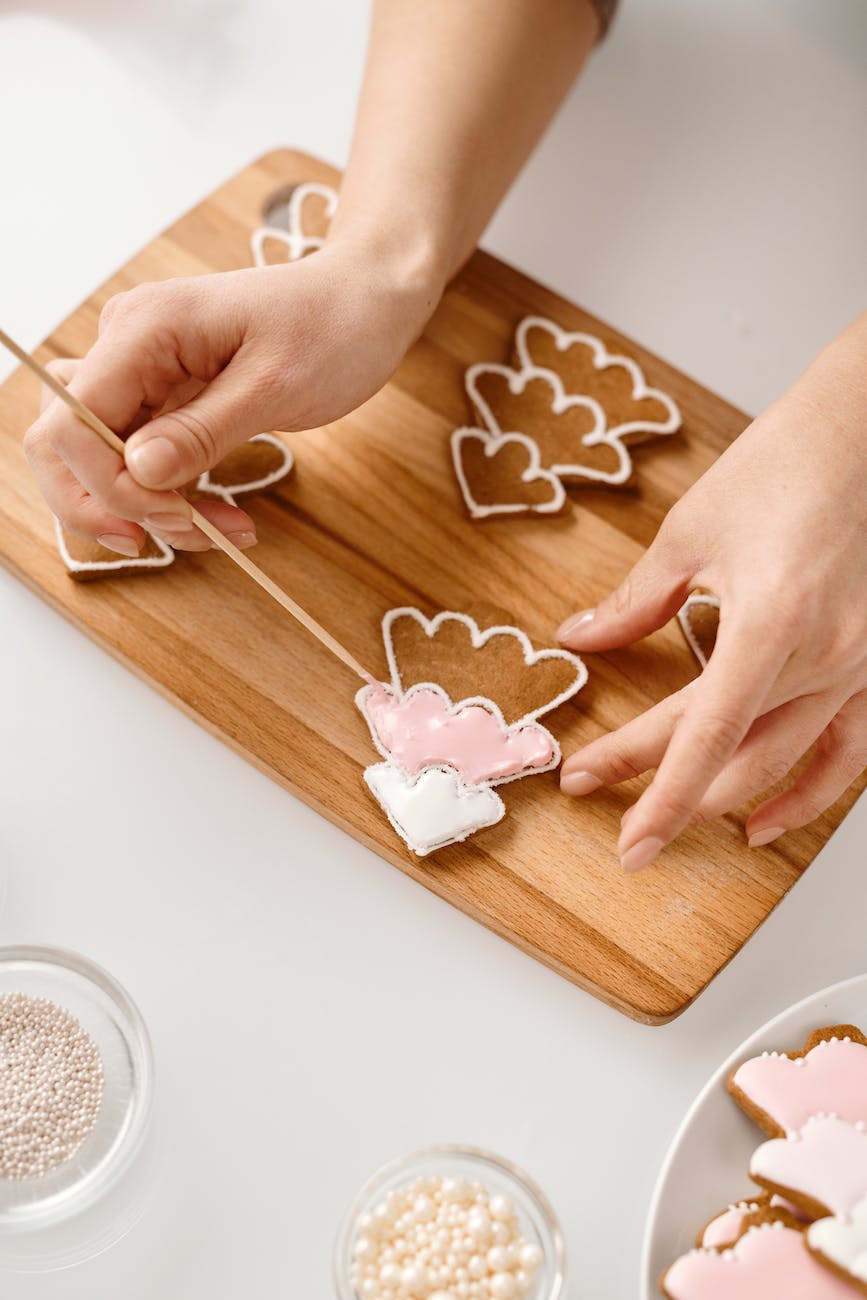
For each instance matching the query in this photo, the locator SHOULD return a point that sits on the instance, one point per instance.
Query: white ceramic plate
(706, 1165)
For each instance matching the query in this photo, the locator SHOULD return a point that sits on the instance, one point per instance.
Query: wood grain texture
(372, 518)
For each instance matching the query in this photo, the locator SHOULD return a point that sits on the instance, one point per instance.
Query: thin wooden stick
(219, 539)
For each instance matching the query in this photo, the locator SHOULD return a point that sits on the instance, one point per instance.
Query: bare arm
(456, 93)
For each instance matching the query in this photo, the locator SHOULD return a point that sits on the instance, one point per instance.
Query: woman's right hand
(186, 369)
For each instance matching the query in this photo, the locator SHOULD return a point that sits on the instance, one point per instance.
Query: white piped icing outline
(297, 242)
(481, 701)
(167, 555)
(603, 360)
(561, 401)
(229, 493)
(683, 618)
(161, 561)
(534, 472)
(461, 792)
(478, 638)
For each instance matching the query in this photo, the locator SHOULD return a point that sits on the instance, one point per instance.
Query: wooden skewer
(219, 539)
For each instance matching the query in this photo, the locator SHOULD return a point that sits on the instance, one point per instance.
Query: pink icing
(768, 1263)
(826, 1161)
(832, 1077)
(423, 729)
(725, 1227)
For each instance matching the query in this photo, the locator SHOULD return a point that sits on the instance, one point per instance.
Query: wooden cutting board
(370, 519)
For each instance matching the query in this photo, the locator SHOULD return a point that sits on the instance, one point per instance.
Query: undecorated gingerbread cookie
(458, 716)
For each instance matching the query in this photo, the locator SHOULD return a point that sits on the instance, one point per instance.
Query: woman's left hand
(777, 529)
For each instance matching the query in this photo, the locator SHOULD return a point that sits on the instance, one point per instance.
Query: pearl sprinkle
(51, 1082)
(443, 1239)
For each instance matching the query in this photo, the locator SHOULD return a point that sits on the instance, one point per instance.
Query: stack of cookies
(803, 1235)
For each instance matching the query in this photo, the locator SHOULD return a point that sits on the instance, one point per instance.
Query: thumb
(178, 446)
(650, 594)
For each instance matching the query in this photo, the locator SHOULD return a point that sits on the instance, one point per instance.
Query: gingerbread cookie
(253, 466)
(309, 212)
(565, 413)
(725, 1228)
(502, 474)
(840, 1244)
(633, 410)
(822, 1169)
(769, 1262)
(459, 716)
(781, 1091)
(699, 621)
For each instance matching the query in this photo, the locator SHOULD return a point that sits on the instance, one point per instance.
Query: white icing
(493, 443)
(478, 638)
(843, 1241)
(435, 808)
(297, 243)
(228, 492)
(507, 728)
(683, 616)
(603, 360)
(166, 556)
(825, 1162)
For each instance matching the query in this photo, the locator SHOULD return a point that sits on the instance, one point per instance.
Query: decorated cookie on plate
(457, 718)
(250, 468)
(822, 1169)
(781, 1091)
(840, 1244)
(309, 211)
(770, 1261)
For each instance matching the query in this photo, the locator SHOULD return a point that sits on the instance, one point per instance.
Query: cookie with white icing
(840, 1243)
(822, 1169)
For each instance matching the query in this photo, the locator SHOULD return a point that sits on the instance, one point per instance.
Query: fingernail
(758, 838)
(242, 540)
(154, 462)
(572, 624)
(168, 523)
(117, 542)
(641, 854)
(578, 783)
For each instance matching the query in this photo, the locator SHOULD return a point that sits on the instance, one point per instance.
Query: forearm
(456, 94)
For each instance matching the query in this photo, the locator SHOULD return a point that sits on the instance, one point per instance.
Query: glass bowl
(85, 1205)
(536, 1218)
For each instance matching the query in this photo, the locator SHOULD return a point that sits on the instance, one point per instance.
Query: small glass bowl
(87, 1204)
(536, 1218)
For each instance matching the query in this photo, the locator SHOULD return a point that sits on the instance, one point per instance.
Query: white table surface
(313, 1011)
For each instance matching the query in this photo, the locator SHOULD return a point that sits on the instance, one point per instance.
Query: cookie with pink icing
(822, 1169)
(769, 1262)
(725, 1228)
(782, 1090)
(443, 756)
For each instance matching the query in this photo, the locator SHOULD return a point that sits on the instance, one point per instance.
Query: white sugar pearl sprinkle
(443, 1239)
(51, 1083)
